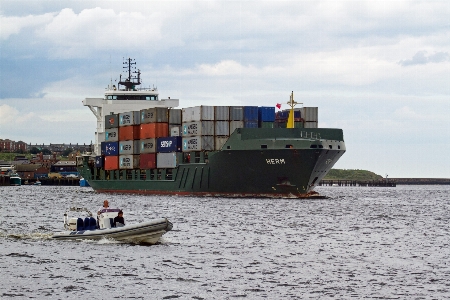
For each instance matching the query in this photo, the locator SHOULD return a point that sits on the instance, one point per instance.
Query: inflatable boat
(104, 227)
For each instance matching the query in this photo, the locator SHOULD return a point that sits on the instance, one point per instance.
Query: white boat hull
(147, 232)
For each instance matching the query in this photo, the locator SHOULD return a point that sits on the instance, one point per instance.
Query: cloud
(421, 58)
(10, 115)
(76, 35)
(14, 25)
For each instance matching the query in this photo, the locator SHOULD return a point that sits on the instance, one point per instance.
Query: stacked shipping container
(198, 128)
(153, 138)
(154, 125)
(129, 134)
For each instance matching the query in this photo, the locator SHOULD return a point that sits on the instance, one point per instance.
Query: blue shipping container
(250, 124)
(266, 114)
(99, 161)
(250, 113)
(282, 115)
(169, 144)
(110, 148)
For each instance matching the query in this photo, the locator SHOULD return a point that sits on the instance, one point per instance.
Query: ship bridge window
(149, 97)
(263, 146)
(289, 146)
(313, 146)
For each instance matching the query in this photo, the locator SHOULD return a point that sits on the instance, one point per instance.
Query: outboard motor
(87, 222)
(80, 224)
(92, 223)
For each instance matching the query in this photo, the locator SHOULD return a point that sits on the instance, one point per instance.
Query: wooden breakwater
(335, 182)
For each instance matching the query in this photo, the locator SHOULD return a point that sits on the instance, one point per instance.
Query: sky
(380, 70)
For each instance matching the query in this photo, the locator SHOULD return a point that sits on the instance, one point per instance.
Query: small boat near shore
(15, 179)
(90, 229)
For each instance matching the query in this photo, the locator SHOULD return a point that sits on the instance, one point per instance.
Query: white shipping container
(130, 118)
(166, 160)
(310, 125)
(219, 141)
(129, 147)
(236, 113)
(222, 128)
(112, 135)
(147, 146)
(198, 113)
(222, 113)
(129, 161)
(310, 114)
(198, 143)
(198, 128)
(174, 130)
(235, 124)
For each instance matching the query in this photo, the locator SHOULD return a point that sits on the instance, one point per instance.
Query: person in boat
(105, 206)
(119, 220)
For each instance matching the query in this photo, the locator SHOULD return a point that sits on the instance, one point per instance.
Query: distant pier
(391, 182)
(385, 183)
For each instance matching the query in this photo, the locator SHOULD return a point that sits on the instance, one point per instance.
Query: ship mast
(292, 104)
(131, 82)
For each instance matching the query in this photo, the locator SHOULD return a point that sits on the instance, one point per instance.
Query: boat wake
(27, 236)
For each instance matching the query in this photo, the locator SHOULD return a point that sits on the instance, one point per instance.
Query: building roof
(65, 163)
(28, 167)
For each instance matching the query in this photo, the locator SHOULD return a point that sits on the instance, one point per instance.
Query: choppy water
(373, 243)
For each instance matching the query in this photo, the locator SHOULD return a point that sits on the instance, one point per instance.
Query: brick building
(8, 145)
(45, 160)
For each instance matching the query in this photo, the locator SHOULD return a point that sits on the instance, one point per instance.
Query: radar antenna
(132, 81)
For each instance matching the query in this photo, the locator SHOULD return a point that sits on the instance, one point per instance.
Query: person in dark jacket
(119, 220)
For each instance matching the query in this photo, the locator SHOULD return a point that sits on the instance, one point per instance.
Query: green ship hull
(254, 162)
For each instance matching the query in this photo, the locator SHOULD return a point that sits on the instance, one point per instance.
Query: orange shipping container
(128, 133)
(111, 162)
(154, 130)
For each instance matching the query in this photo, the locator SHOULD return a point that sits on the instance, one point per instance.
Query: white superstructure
(121, 100)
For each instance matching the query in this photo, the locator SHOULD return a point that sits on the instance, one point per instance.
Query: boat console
(106, 218)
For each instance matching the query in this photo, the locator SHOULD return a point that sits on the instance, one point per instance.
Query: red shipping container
(148, 161)
(128, 133)
(153, 130)
(111, 162)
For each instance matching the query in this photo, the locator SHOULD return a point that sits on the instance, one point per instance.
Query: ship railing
(310, 135)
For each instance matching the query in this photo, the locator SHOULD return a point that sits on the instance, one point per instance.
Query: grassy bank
(363, 175)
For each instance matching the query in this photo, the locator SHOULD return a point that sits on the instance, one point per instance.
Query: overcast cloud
(380, 70)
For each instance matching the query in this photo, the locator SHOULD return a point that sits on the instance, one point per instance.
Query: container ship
(146, 145)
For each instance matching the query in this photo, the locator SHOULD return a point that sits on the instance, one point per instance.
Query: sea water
(361, 242)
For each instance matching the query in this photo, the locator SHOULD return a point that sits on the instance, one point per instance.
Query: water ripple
(376, 243)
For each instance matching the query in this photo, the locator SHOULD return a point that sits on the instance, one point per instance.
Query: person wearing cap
(119, 219)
